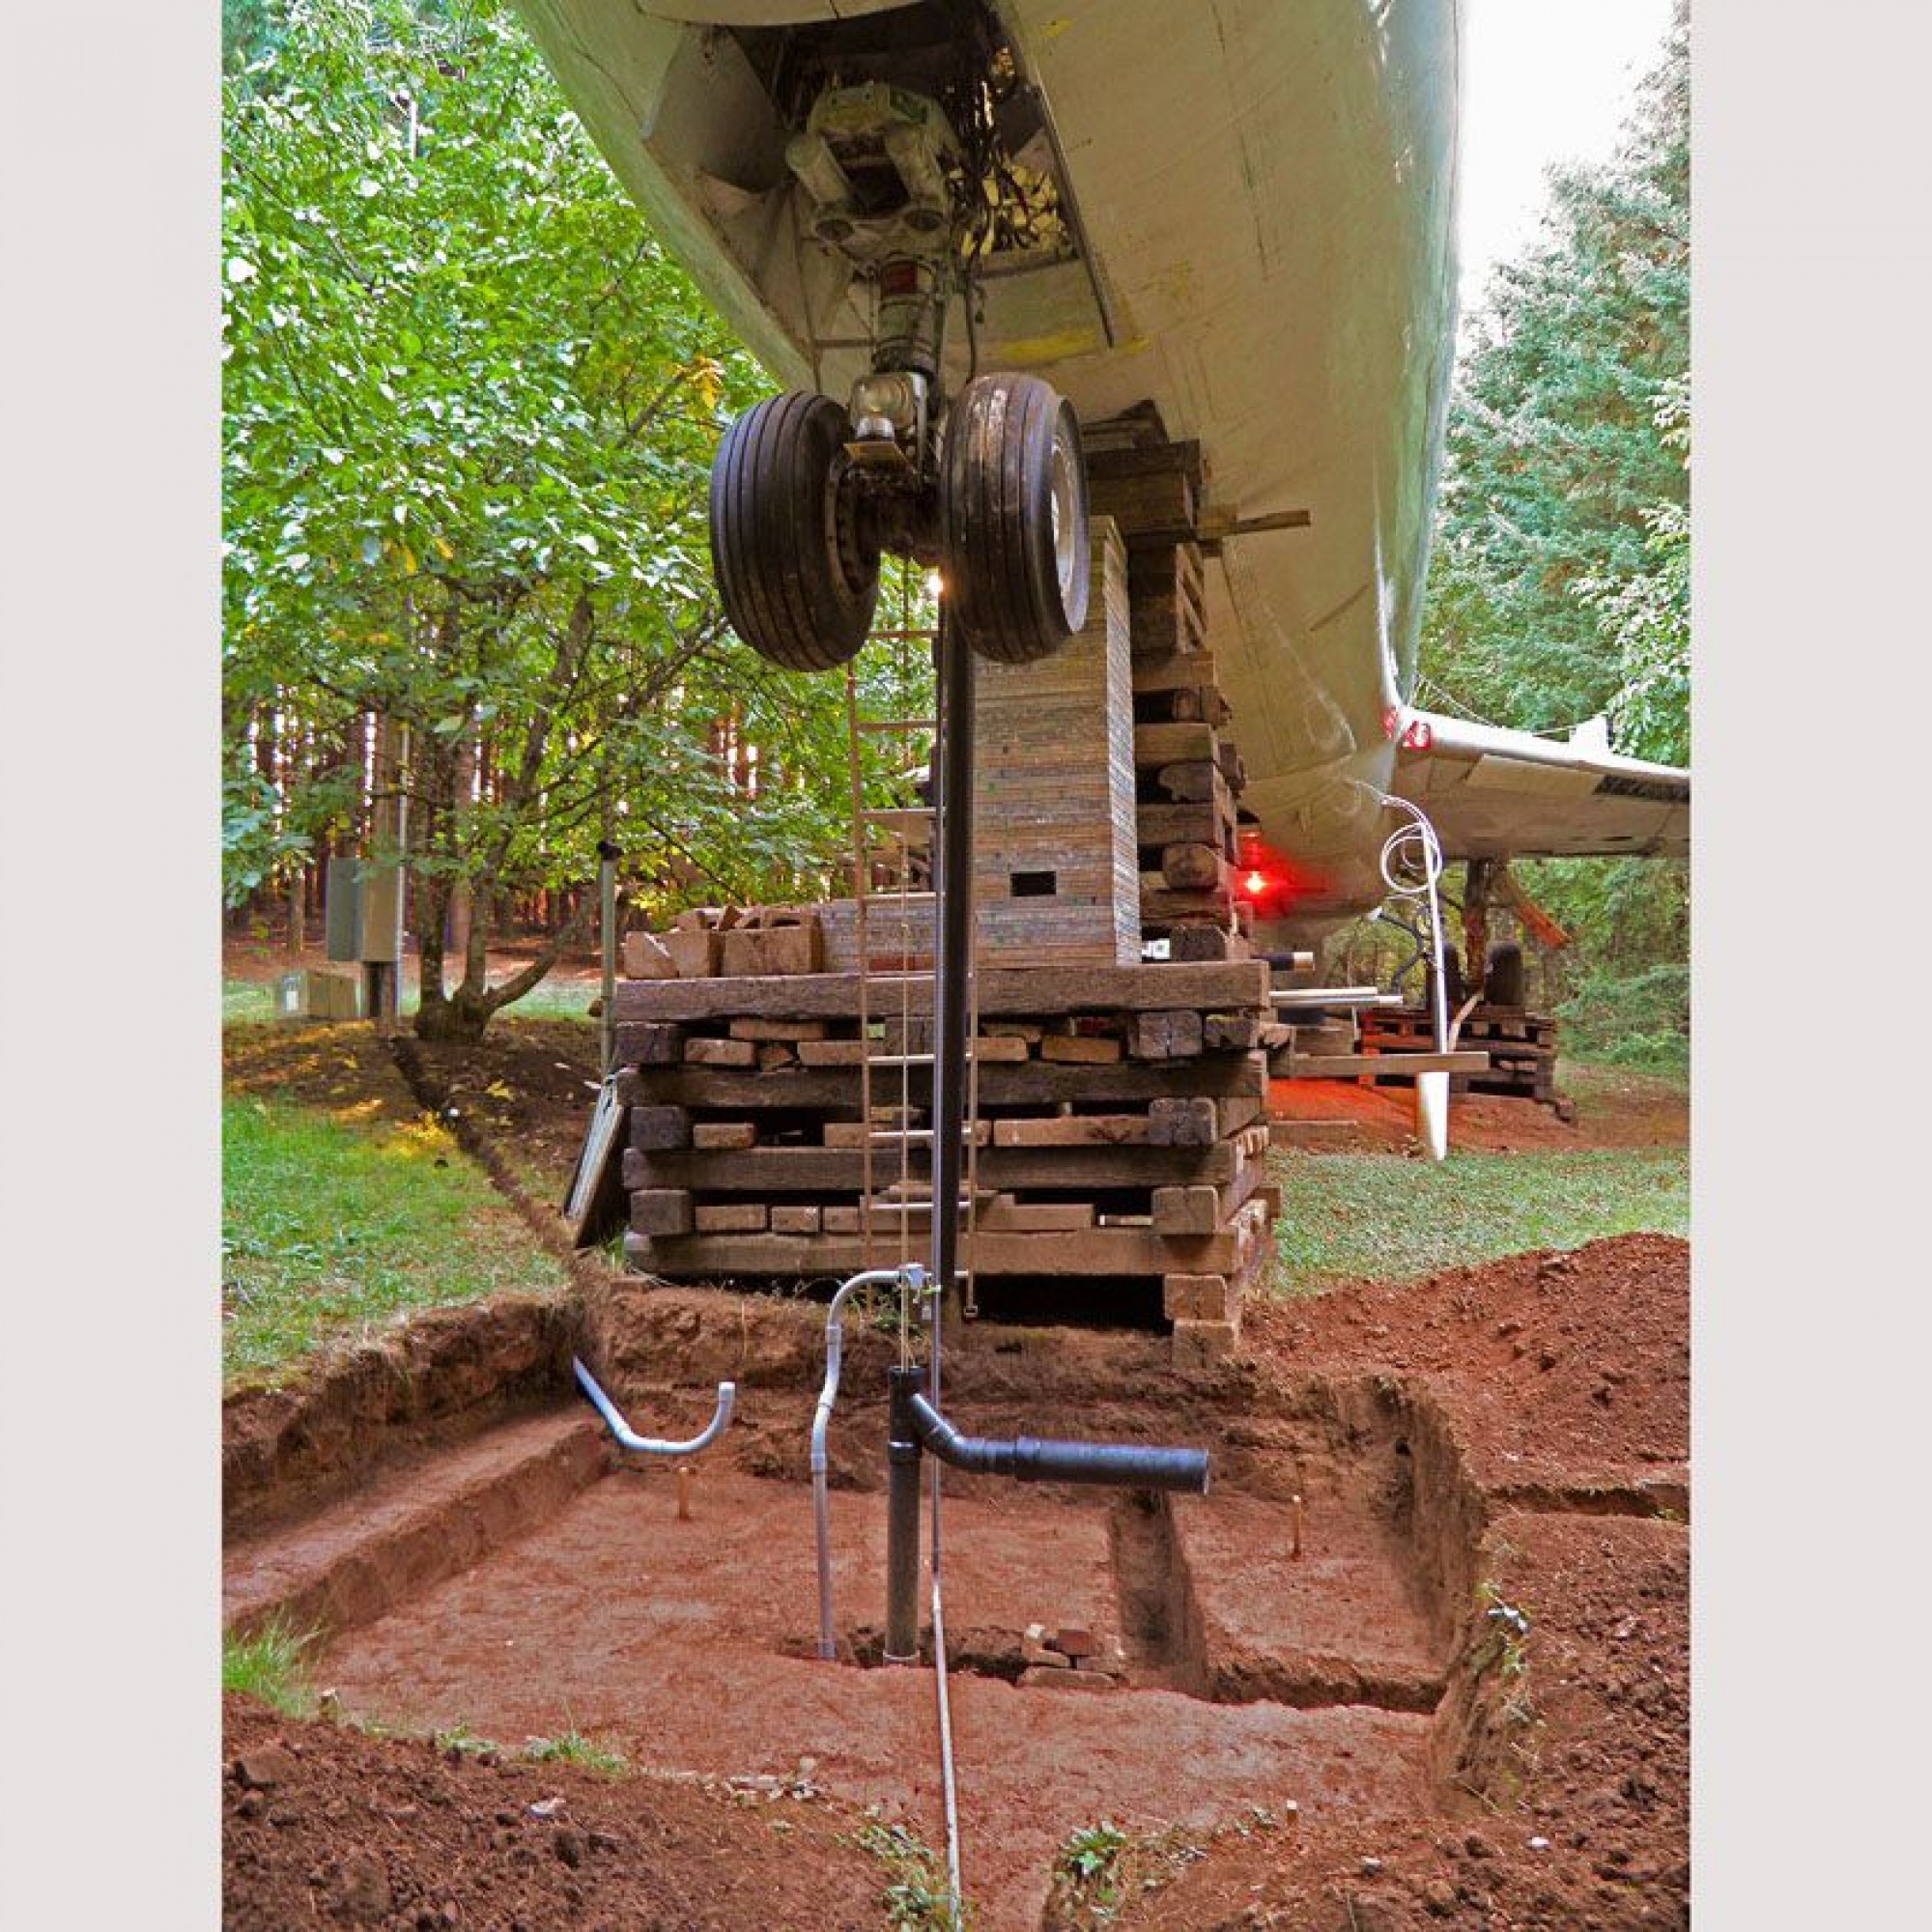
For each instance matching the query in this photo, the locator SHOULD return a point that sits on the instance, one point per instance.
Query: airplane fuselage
(1259, 238)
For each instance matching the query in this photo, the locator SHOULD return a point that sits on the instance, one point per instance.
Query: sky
(1544, 81)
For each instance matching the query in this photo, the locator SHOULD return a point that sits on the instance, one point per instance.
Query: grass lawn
(332, 1219)
(1382, 1217)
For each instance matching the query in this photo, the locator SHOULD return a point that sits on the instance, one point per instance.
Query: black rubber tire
(998, 552)
(795, 587)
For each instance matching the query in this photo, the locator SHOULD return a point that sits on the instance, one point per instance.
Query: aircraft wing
(1494, 793)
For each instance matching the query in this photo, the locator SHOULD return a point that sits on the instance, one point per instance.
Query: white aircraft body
(1239, 211)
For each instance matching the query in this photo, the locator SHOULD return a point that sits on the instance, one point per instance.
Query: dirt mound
(322, 1823)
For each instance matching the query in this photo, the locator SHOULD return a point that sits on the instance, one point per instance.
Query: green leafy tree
(1561, 557)
(471, 407)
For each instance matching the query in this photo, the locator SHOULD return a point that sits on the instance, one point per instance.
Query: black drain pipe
(902, 1478)
(1127, 1466)
(953, 954)
(915, 1424)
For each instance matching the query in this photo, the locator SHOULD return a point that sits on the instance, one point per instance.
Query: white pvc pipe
(914, 1277)
(650, 1445)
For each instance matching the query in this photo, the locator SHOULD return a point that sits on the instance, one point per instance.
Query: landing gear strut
(806, 494)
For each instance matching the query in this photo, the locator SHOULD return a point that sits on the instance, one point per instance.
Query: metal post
(607, 885)
(902, 1476)
(954, 884)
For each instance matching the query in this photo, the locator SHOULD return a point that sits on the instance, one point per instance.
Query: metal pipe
(1030, 1459)
(649, 1446)
(953, 883)
(913, 1276)
(903, 1518)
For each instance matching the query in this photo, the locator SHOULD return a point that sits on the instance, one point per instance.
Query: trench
(520, 1600)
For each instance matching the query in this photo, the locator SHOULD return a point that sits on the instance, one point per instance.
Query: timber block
(723, 1135)
(1201, 941)
(1080, 1049)
(773, 951)
(1169, 1035)
(661, 1210)
(657, 1128)
(1186, 1211)
(647, 957)
(789, 1031)
(693, 950)
(720, 1053)
(1200, 1297)
(652, 1042)
(732, 1217)
(1228, 1032)
(1204, 1345)
(1182, 1122)
(800, 1219)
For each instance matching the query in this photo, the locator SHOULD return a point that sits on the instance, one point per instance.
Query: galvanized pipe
(913, 1278)
(649, 1446)
(1030, 1459)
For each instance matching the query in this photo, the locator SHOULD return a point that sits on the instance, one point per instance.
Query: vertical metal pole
(954, 884)
(607, 890)
(902, 1473)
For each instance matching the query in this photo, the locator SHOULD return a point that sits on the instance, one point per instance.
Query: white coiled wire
(1411, 866)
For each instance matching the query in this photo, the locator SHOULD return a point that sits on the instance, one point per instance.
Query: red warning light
(1255, 885)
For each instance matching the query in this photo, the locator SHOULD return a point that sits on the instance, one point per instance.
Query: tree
(471, 407)
(1567, 441)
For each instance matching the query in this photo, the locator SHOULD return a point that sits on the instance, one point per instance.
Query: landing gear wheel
(1012, 497)
(797, 578)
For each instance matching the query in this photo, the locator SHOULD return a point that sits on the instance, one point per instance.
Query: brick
(1075, 1641)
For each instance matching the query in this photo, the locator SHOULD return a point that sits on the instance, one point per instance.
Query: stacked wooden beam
(1522, 1047)
(1188, 773)
(1122, 1132)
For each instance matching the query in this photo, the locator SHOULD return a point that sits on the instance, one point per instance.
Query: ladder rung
(899, 1060)
(900, 1134)
(899, 724)
(896, 815)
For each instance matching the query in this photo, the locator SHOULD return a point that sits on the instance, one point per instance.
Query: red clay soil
(1472, 1683)
(1611, 1110)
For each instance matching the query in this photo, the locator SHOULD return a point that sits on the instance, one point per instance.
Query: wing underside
(1496, 793)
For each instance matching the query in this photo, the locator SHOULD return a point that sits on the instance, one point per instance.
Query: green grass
(272, 1666)
(573, 1748)
(330, 1224)
(248, 1000)
(1382, 1217)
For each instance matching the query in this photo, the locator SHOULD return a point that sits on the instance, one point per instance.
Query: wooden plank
(1349, 1066)
(1084, 1252)
(1074, 1049)
(830, 1052)
(723, 1136)
(773, 1171)
(1204, 822)
(730, 1217)
(789, 1030)
(1007, 1216)
(1032, 1083)
(1158, 745)
(1073, 1131)
(1014, 992)
(720, 1053)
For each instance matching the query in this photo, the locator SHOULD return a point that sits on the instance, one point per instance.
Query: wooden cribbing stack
(1522, 1048)
(1123, 1134)
(1188, 775)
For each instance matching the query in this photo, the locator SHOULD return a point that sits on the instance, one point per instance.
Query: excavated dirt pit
(523, 1581)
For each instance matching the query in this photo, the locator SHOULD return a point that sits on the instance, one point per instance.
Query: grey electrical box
(342, 910)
